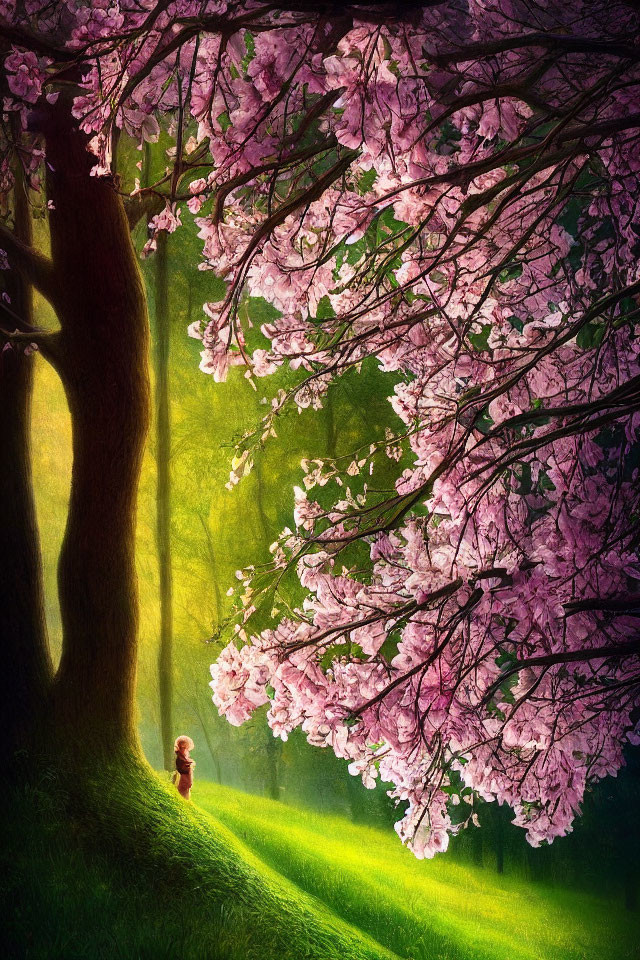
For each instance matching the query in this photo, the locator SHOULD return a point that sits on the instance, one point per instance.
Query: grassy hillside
(431, 910)
(123, 869)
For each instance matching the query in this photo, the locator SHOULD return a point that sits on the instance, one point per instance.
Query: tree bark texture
(102, 360)
(23, 634)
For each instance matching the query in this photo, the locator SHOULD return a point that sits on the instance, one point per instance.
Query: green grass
(119, 867)
(428, 910)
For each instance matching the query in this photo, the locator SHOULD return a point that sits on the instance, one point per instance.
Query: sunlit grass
(118, 867)
(423, 910)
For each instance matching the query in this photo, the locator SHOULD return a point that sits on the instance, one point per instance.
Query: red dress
(184, 766)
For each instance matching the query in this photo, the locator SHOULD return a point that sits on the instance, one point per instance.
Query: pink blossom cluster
(464, 666)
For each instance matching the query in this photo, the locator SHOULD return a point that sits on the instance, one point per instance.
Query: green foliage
(591, 335)
(480, 341)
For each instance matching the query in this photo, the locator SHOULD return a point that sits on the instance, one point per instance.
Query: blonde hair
(183, 743)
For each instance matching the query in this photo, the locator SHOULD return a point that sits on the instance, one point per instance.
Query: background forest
(216, 531)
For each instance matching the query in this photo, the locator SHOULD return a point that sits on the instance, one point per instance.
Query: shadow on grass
(118, 866)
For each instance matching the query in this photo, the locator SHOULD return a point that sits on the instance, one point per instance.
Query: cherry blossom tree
(475, 228)
(449, 189)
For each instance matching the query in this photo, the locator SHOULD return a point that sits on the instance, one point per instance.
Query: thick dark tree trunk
(103, 364)
(23, 634)
(163, 499)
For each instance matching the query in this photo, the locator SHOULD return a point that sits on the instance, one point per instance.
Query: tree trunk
(213, 566)
(273, 750)
(23, 634)
(355, 798)
(498, 834)
(103, 365)
(500, 851)
(476, 846)
(535, 865)
(214, 758)
(163, 499)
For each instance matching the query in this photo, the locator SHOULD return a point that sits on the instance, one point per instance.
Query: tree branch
(549, 41)
(34, 266)
(142, 205)
(46, 342)
(568, 656)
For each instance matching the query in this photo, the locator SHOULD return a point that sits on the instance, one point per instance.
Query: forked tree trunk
(103, 365)
(23, 635)
(163, 500)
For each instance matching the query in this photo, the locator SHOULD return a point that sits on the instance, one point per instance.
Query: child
(184, 766)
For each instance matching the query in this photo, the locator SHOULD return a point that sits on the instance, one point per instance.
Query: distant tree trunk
(102, 359)
(498, 835)
(534, 863)
(215, 760)
(477, 843)
(23, 633)
(163, 497)
(273, 745)
(213, 566)
(500, 852)
(355, 792)
(273, 748)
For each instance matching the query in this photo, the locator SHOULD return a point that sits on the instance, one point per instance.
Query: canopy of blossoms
(454, 193)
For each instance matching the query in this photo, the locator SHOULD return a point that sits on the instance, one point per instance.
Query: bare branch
(34, 266)
(566, 656)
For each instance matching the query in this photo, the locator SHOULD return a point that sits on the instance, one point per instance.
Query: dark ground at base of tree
(124, 870)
